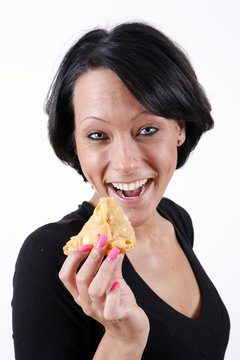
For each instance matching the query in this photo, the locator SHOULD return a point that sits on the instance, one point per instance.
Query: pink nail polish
(101, 241)
(86, 248)
(116, 285)
(113, 253)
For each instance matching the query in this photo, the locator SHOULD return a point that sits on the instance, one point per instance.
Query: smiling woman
(125, 144)
(125, 110)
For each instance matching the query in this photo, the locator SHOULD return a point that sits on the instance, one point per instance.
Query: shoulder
(40, 260)
(43, 247)
(178, 216)
(37, 291)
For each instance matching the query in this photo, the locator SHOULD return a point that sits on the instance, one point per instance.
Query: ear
(181, 132)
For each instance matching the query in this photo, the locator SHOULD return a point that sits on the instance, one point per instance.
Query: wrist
(131, 339)
(127, 337)
(130, 331)
(113, 348)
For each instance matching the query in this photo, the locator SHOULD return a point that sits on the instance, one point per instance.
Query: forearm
(113, 349)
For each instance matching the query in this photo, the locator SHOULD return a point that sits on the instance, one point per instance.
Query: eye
(97, 135)
(148, 131)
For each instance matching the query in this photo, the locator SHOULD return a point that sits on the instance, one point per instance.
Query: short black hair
(153, 67)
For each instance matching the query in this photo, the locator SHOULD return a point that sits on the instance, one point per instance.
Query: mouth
(130, 191)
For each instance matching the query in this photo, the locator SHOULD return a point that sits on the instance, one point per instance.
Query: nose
(125, 155)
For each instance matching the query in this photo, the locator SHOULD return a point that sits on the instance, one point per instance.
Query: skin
(104, 106)
(113, 144)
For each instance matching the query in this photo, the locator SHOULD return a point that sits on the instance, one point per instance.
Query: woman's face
(124, 150)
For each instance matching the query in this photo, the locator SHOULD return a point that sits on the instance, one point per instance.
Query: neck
(153, 230)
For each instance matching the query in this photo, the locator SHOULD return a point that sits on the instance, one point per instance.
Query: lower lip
(131, 200)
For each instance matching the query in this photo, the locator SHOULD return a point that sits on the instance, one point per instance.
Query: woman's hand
(99, 288)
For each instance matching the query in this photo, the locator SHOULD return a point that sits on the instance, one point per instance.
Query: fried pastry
(108, 218)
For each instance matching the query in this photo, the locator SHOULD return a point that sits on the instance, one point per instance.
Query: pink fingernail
(116, 285)
(86, 248)
(113, 253)
(101, 241)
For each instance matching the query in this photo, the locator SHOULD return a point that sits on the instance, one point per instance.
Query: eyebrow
(134, 118)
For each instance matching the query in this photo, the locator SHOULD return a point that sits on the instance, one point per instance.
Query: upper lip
(133, 185)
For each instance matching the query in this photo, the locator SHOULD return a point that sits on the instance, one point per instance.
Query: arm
(47, 323)
(126, 325)
(113, 349)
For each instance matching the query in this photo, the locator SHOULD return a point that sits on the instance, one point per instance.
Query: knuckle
(81, 281)
(77, 299)
(95, 293)
(63, 276)
(87, 309)
(95, 255)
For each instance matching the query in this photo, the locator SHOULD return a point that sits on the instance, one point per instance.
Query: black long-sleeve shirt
(49, 325)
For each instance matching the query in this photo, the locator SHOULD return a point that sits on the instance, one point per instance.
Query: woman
(125, 108)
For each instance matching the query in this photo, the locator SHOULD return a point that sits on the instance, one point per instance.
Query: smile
(130, 190)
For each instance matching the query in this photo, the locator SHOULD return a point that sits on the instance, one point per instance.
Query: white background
(36, 188)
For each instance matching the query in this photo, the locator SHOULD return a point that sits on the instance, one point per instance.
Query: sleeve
(47, 323)
(180, 217)
(186, 225)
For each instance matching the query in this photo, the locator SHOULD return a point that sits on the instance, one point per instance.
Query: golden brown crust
(108, 218)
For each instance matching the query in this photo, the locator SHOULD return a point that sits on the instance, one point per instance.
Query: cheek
(165, 157)
(87, 158)
(171, 156)
(88, 161)
(92, 163)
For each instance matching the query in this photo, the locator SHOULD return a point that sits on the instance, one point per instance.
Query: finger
(126, 292)
(118, 270)
(68, 271)
(88, 270)
(112, 310)
(103, 280)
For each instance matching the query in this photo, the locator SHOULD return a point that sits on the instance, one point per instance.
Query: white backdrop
(36, 188)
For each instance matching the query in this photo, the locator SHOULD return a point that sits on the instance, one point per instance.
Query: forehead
(101, 90)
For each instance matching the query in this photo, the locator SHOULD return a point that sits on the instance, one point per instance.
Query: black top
(49, 325)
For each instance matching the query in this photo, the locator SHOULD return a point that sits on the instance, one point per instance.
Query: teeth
(131, 186)
(131, 197)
